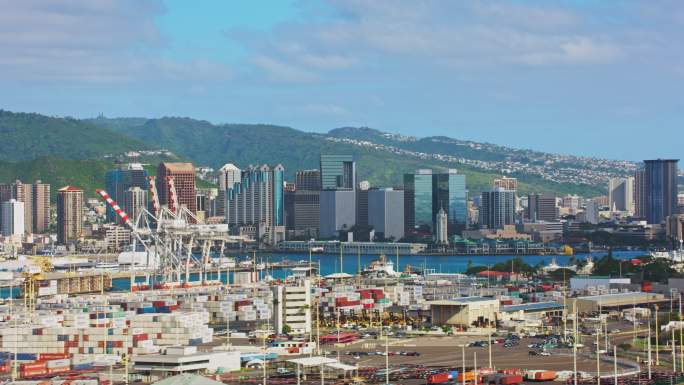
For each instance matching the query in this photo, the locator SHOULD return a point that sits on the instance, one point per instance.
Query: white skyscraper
(229, 175)
(441, 234)
(12, 218)
(621, 194)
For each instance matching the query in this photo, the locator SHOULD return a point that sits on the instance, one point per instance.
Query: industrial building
(465, 312)
(594, 303)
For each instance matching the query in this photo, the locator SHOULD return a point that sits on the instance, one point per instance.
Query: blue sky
(600, 78)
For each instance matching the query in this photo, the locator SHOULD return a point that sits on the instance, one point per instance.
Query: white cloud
(90, 41)
(462, 34)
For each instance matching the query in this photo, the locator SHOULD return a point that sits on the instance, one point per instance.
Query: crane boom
(122, 214)
(154, 196)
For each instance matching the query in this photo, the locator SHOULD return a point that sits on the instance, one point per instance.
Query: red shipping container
(510, 379)
(32, 373)
(52, 356)
(85, 337)
(437, 378)
(140, 337)
(62, 369)
(32, 365)
(507, 302)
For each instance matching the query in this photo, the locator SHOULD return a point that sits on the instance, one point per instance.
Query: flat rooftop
(532, 306)
(461, 300)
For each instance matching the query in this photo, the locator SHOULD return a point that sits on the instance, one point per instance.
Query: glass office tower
(418, 202)
(338, 172)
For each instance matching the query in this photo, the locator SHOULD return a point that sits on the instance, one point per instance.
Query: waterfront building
(497, 208)
(258, 201)
(386, 212)
(441, 233)
(621, 194)
(338, 172)
(369, 248)
(541, 207)
(659, 189)
(12, 218)
(69, 214)
(183, 175)
(41, 207)
(118, 181)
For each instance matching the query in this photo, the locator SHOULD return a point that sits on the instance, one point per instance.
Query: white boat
(672, 255)
(226, 263)
(381, 267)
(316, 249)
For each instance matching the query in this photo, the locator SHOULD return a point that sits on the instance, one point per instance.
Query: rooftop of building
(179, 166)
(461, 300)
(532, 306)
(70, 189)
(636, 295)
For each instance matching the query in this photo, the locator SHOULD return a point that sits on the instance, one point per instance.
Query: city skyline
(510, 73)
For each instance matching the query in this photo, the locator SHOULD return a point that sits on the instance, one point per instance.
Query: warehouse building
(617, 301)
(186, 359)
(464, 312)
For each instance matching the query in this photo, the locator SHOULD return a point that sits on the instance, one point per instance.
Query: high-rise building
(418, 202)
(292, 307)
(362, 204)
(386, 212)
(660, 189)
(450, 194)
(306, 209)
(441, 233)
(184, 180)
(426, 192)
(338, 172)
(308, 180)
(134, 202)
(505, 183)
(119, 180)
(41, 207)
(497, 208)
(541, 207)
(258, 200)
(289, 204)
(69, 214)
(24, 193)
(591, 211)
(336, 212)
(12, 218)
(229, 174)
(621, 194)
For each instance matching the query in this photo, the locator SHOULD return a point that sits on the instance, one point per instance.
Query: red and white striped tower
(173, 197)
(154, 196)
(122, 214)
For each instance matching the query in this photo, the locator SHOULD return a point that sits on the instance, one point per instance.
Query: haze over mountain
(37, 146)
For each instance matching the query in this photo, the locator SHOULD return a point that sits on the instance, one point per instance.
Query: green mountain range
(64, 151)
